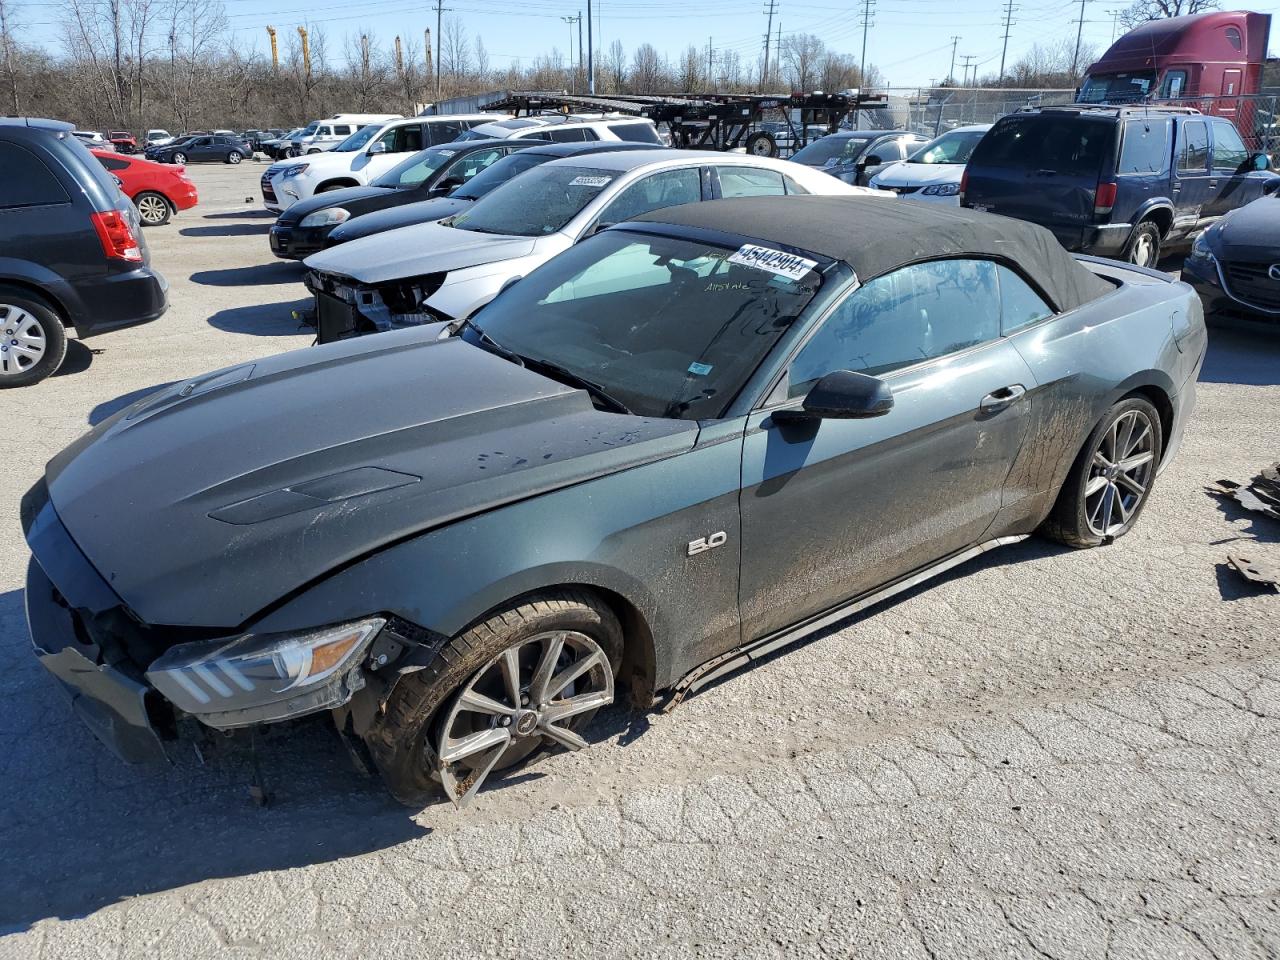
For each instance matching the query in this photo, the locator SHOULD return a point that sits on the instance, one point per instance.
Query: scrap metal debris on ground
(1260, 495)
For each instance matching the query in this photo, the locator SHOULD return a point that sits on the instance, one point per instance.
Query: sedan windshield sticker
(589, 181)
(775, 261)
(700, 369)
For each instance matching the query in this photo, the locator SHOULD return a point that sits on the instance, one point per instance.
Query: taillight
(116, 236)
(964, 185)
(1104, 198)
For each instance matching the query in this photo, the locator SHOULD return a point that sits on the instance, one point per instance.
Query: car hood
(330, 198)
(903, 174)
(404, 215)
(1250, 233)
(207, 501)
(424, 248)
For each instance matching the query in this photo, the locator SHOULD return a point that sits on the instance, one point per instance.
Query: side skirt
(747, 653)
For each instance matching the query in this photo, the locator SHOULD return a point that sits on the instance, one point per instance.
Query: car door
(460, 170)
(1193, 188)
(834, 508)
(443, 131)
(1237, 182)
(201, 149)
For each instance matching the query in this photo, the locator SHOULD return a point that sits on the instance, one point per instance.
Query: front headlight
(260, 677)
(330, 217)
(1200, 249)
(941, 190)
(294, 170)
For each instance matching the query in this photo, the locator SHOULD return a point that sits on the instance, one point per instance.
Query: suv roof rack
(1113, 109)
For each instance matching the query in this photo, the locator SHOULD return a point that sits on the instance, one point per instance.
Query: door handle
(997, 400)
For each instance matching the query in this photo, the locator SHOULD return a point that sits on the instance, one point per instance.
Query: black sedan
(855, 156)
(1235, 264)
(302, 229)
(437, 208)
(208, 147)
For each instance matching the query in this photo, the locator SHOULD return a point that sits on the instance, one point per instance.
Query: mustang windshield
(539, 202)
(666, 327)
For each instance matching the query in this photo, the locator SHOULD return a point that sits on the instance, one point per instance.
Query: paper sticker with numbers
(589, 181)
(775, 261)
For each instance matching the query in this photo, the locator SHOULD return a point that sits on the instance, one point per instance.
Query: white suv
(321, 135)
(560, 129)
(361, 158)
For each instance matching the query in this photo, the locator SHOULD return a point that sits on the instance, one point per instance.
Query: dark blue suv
(1118, 182)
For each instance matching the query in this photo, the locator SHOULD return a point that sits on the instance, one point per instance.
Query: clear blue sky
(910, 40)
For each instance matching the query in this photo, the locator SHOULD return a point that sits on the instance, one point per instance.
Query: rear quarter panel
(1086, 360)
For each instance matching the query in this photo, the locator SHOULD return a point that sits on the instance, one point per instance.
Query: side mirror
(842, 395)
(1261, 161)
(376, 148)
(871, 161)
(446, 186)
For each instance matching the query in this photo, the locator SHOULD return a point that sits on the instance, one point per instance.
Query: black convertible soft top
(876, 236)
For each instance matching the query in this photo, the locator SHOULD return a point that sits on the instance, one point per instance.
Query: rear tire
(33, 341)
(404, 739)
(1111, 480)
(179, 158)
(1143, 249)
(234, 157)
(762, 144)
(153, 208)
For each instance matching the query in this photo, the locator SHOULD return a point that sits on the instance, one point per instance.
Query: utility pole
(768, 39)
(777, 60)
(710, 60)
(1075, 60)
(868, 7)
(580, 64)
(426, 35)
(306, 52)
(591, 55)
(570, 21)
(1115, 22)
(1009, 22)
(440, 12)
(951, 72)
(968, 61)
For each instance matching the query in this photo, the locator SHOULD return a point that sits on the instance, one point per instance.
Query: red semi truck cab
(1210, 58)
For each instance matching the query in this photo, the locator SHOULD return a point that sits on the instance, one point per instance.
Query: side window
(634, 132)
(1174, 82)
(25, 181)
(409, 138)
(388, 140)
(793, 188)
(111, 163)
(342, 130)
(567, 136)
(1020, 306)
(1229, 153)
(324, 132)
(917, 313)
(1145, 148)
(749, 182)
(466, 168)
(589, 135)
(1193, 149)
(444, 132)
(658, 190)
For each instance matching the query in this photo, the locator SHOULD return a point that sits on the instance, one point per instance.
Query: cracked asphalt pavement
(1045, 754)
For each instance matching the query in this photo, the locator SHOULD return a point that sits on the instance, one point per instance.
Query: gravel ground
(1047, 754)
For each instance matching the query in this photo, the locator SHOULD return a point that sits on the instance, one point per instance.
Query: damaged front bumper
(346, 308)
(130, 682)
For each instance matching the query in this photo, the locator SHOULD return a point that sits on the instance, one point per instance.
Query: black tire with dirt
(19, 306)
(1143, 248)
(400, 740)
(761, 144)
(1069, 521)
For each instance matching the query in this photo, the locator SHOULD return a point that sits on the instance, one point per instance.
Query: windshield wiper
(492, 345)
(567, 376)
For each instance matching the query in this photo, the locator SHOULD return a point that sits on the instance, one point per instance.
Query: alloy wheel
(1120, 475)
(539, 690)
(1143, 251)
(233, 157)
(153, 210)
(23, 342)
(179, 158)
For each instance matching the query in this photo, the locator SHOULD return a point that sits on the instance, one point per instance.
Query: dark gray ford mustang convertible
(688, 440)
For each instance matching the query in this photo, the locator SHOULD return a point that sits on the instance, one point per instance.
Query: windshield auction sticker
(775, 261)
(589, 181)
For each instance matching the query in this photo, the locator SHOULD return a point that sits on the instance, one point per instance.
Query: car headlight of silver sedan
(941, 190)
(329, 217)
(260, 677)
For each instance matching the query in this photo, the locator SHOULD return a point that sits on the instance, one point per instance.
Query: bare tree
(7, 27)
(1142, 11)
(802, 54)
(618, 66)
(482, 62)
(690, 76)
(646, 70)
(455, 53)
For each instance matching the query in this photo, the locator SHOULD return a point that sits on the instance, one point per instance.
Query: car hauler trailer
(714, 121)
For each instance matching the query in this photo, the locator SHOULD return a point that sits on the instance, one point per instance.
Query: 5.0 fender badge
(703, 544)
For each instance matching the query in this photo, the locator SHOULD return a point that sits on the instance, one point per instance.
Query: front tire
(153, 208)
(496, 694)
(179, 158)
(762, 144)
(1111, 480)
(1144, 246)
(33, 341)
(233, 157)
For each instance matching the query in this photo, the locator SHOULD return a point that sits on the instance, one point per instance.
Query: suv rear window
(634, 132)
(1065, 144)
(1145, 148)
(25, 181)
